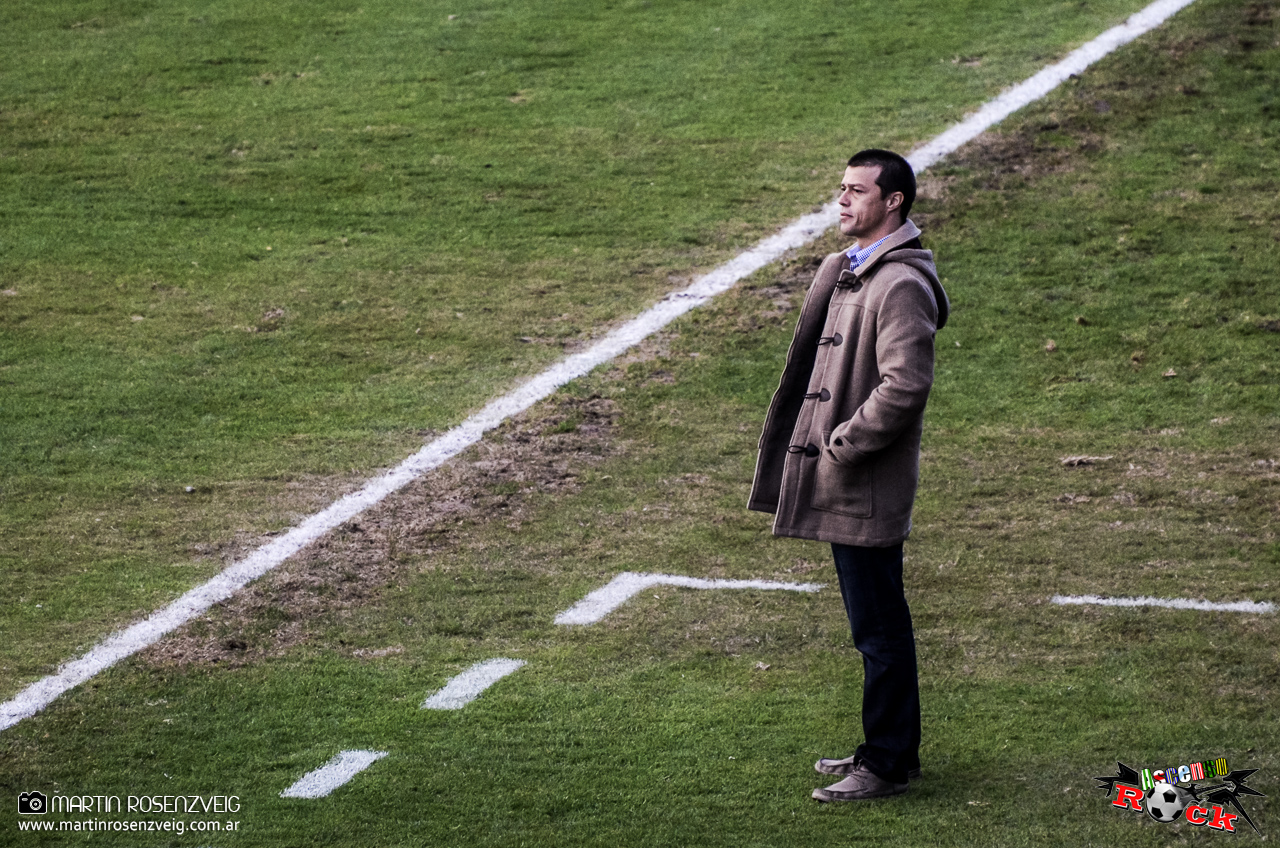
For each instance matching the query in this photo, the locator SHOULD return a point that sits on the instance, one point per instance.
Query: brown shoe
(848, 764)
(860, 785)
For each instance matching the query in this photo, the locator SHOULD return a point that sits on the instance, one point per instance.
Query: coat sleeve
(905, 327)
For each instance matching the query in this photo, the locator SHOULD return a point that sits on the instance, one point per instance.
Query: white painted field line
(599, 603)
(469, 685)
(1170, 603)
(796, 234)
(1037, 86)
(331, 775)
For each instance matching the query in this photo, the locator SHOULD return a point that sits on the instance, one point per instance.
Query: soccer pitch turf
(261, 250)
(1130, 219)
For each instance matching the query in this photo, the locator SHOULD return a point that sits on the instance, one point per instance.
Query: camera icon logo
(33, 804)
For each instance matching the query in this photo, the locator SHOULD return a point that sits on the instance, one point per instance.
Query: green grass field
(261, 250)
(1131, 219)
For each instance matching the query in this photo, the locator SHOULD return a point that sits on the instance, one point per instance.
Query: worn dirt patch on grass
(542, 451)
(1027, 152)
(300, 495)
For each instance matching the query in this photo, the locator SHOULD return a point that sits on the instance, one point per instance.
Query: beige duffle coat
(840, 453)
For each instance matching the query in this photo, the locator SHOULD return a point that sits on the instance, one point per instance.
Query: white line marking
(1049, 78)
(331, 775)
(468, 686)
(619, 590)
(40, 694)
(1171, 603)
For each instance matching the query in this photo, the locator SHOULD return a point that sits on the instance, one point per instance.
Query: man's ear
(894, 201)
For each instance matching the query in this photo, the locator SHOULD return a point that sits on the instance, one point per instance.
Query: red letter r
(1128, 796)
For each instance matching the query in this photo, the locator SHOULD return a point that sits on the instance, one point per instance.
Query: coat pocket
(841, 489)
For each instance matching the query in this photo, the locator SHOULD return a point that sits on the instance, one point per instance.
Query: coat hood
(903, 246)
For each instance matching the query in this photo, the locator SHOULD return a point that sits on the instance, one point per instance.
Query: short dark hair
(895, 175)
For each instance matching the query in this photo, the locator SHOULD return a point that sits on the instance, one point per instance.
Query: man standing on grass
(840, 454)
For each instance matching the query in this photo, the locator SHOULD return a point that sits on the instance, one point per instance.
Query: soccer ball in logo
(1165, 802)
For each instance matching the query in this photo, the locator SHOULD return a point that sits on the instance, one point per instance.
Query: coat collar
(899, 237)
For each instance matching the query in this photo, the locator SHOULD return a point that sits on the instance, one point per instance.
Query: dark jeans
(871, 585)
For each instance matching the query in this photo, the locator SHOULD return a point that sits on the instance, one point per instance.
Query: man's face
(863, 212)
